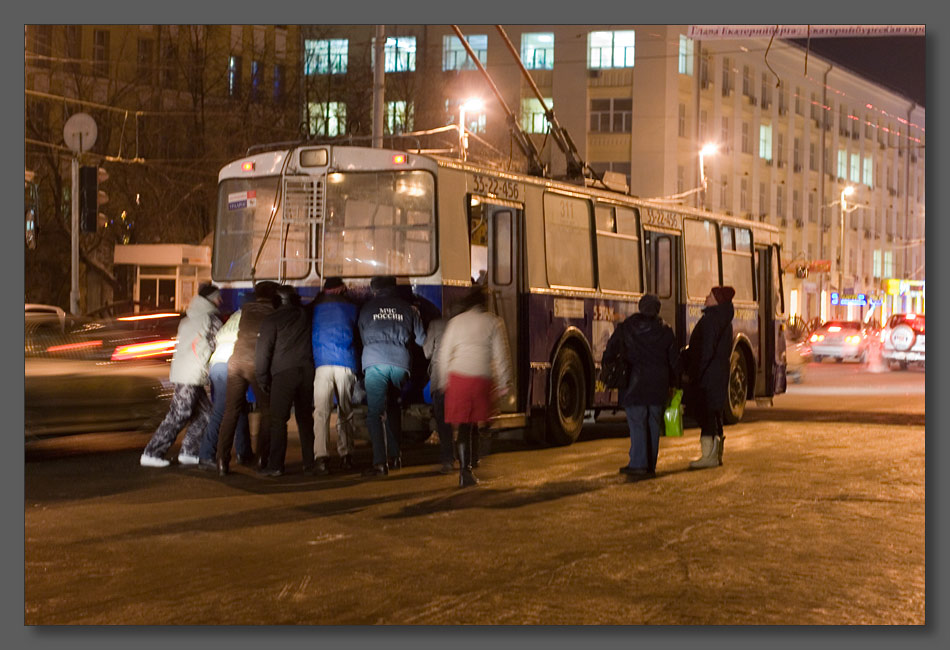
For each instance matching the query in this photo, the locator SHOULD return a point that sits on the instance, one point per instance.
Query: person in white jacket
(189, 374)
(474, 364)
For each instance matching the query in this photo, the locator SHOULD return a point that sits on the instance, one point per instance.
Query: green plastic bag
(673, 416)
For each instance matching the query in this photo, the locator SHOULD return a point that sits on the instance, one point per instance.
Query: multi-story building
(642, 100)
(172, 104)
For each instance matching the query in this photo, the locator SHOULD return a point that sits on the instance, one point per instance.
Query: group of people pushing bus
(309, 358)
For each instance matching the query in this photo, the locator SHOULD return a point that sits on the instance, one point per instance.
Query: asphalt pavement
(817, 516)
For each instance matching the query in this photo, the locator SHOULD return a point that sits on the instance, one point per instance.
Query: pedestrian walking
(387, 324)
(707, 369)
(241, 375)
(476, 365)
(189, 374)
(218, 375)
(647, 344)
(285, 373)
(335, 341)
(437, 390)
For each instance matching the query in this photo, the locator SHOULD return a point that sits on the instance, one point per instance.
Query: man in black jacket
(648, 345)
(708, 357)
(387, 324)
(241, 375)
(285, 373)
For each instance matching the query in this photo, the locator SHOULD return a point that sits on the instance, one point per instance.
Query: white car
(840, 340)
(903, 339)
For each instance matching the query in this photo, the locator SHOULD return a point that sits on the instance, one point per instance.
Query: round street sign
(80, 132)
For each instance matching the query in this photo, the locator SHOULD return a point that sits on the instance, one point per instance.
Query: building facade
(172, 104)
(642, 100)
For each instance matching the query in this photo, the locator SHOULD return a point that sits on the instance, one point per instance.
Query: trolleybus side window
(702, 257)
(380, 223)
(567, 241)
(501, 265)
(618, 249)
(738, 267)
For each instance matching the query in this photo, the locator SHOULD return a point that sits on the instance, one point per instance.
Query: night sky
(897, 62)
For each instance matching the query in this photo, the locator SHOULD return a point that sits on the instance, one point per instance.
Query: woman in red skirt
(473, 358)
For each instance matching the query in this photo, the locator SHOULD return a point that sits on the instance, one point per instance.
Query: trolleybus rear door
(661, 255)
(770, 378)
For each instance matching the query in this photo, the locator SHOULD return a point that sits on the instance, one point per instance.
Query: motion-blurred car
(797, 356)
(840, 340)
(83, 375)
(903, 340)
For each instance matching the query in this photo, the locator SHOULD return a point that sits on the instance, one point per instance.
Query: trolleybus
(564, 263)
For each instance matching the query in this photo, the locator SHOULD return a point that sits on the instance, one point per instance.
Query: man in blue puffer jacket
(387, 324)
(335, 343)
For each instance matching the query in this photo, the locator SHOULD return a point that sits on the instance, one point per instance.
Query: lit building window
(398, 118)
(765, 141)
(842, 164)
(327, 118)
(234, 76)
(537, 50)
(610, 49)
(400, 54)
(868, 178)
(685, 64)
(325, 56)
(855, 168)
(532, 115)
(455, 56)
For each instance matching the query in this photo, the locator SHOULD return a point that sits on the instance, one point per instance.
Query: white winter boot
(710, 458)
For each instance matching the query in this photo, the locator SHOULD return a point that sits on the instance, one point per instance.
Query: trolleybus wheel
(565, 412)
(738, 389)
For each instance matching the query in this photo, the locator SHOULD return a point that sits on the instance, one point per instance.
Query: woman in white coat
(475, 365)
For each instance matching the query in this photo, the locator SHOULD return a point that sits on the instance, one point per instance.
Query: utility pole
(379, 85)
(79, 133)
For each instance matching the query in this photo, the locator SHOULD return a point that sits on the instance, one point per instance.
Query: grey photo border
(431, 11)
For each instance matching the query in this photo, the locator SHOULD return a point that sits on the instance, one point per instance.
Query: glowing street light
(472, 105)
(709, 149)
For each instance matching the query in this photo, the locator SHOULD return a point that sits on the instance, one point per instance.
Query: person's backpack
(614, 369)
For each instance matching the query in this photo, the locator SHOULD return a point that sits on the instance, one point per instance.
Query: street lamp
(848, 191)
(472, 105)
(709, 149)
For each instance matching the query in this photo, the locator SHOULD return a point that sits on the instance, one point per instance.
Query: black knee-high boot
(466, 478)
(476, 435)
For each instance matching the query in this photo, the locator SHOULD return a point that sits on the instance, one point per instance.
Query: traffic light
(90, 197)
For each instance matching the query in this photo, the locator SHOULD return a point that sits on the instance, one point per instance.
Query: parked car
(84, 375)
(840, 340)
(903, 340)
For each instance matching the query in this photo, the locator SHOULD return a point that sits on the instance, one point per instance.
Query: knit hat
(265, 290)
(209, 291)
(649, 305)
(333, 283)
(382, 282)
(723, 294)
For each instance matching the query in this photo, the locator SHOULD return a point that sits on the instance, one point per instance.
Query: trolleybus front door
(504, 280)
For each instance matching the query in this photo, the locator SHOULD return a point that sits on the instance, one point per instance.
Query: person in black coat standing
(648, 344)
(285, 372)
(707, 369)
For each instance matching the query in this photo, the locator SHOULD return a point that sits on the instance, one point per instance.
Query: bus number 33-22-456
(496, 186)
